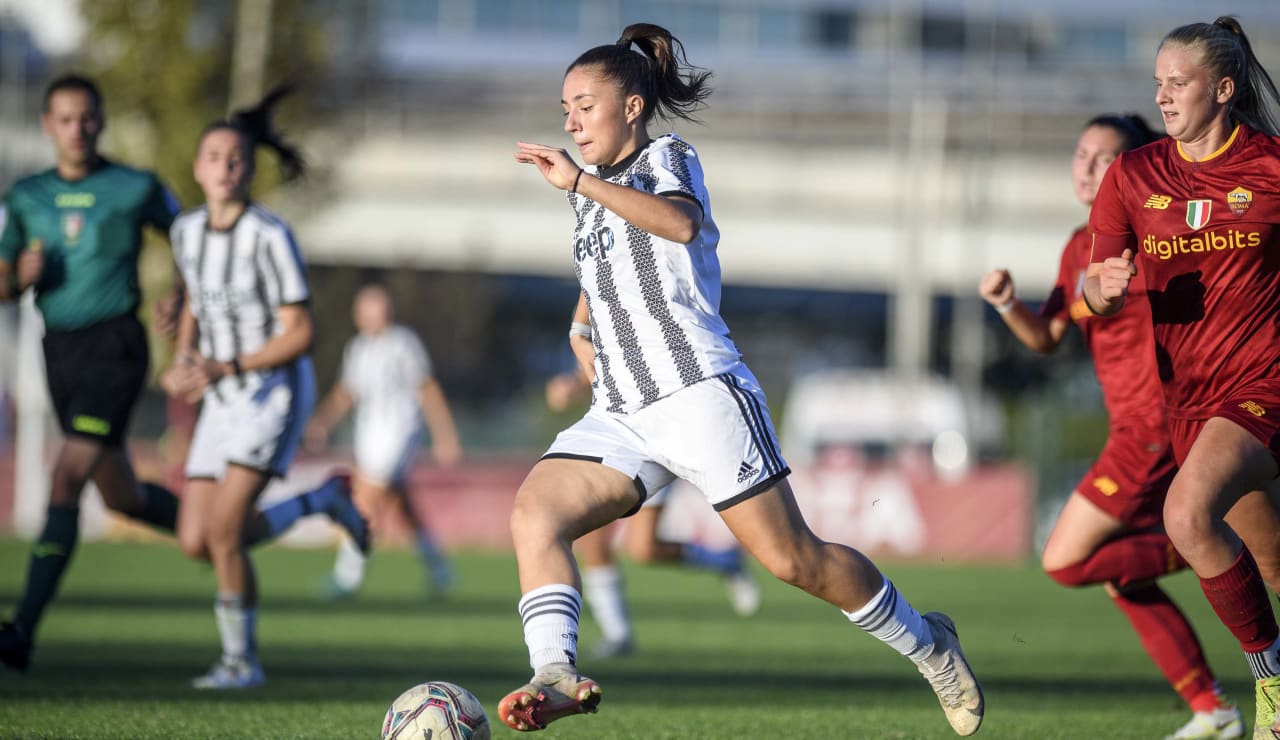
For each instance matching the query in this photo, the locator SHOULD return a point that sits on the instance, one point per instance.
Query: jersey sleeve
(678, 171)
(161, 206)
(11, 233)
(346, 375)
(416, 359)
(1057, 305)
(282, 266)
(1109, 217)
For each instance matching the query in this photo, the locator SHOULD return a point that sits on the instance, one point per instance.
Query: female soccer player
(673, 396)
(1109, 531)
(1199, 211)
(386, 376)
(73, 234)
(242, 348)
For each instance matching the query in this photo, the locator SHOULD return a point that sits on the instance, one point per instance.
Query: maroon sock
(1240, 599)
(1171, 642)
(1124, 561)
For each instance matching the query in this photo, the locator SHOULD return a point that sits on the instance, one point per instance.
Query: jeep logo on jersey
(594, 244)
(1239, 200)
(1198, 213)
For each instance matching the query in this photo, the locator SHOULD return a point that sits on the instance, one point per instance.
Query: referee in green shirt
(73, 234)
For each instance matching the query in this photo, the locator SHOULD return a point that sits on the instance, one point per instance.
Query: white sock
(891, 620)
(602, 587)
(1266, 663)
(550, 615)
(235, 626)
(349, 565)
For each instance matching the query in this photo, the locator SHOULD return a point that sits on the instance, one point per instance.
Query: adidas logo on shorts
(746, 472)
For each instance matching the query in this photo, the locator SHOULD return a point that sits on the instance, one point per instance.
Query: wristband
(574, 189)
(1006, 307)
(236, 370)
(580, 329)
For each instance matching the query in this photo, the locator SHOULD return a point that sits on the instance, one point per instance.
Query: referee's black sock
(49, 558)
(159, 507)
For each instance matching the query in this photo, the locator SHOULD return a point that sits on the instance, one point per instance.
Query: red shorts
(1131, 476)
(1254, 407)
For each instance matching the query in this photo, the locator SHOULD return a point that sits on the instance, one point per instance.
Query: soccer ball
(436, 711)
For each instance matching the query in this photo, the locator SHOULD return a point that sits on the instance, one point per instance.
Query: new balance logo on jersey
(746, 472)
(1254, 408)
(1158, 202)
(594, 244)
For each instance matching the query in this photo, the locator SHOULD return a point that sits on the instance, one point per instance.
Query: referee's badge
(72, 225)
(1198, 213)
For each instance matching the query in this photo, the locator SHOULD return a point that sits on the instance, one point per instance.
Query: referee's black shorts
(96, 375)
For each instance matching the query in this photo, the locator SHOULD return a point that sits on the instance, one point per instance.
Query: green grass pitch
(134, 623)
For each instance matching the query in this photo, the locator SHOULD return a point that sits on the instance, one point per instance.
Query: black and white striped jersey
(237, 280)
(384, 374)
(654, 303)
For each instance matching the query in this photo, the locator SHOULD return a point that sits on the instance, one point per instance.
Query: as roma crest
(1198, 213)
(1239, 200)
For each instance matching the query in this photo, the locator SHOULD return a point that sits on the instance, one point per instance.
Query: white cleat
(744, 593)
(232, 673)
(949, 675)
(1223, 723)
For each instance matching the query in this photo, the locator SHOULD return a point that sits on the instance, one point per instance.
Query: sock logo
(45, 549)
(746, 472)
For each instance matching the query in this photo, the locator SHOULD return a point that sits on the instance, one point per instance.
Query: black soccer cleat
(15, 648)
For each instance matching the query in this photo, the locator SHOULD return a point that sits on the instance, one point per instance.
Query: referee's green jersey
(91, 231)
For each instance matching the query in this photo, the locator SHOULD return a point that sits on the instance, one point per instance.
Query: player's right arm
(182, 380)
(1033, 330)
(20, 267)
(335, 406)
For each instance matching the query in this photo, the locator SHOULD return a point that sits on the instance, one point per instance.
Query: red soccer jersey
(1122, 346)
(1209, 252)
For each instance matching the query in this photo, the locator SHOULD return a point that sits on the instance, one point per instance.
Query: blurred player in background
(1195, 217)
(74, 233)
(602, 584)
(674, 397)
(242, 348)
(386, 377)
(1110, 530)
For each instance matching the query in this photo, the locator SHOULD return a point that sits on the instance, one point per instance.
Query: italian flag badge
(1198, 213)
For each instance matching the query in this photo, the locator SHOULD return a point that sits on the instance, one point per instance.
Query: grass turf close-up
(134, 623)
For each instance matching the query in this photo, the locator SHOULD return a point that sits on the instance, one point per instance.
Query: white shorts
(259, 428)
(385, 455)
(715, 434)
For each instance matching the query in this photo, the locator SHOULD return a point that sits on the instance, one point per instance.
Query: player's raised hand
(996, 287)
(554, 163)
(30, 264)
(1114, 278)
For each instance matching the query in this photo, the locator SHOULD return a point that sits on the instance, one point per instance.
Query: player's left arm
(446, 447)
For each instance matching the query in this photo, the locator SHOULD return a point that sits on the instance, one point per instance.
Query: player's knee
(1185, 522)
(530, 522)
(642, 552)
(193, 544)
(792, 568)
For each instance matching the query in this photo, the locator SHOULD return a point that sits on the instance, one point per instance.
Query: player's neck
(78, 170)
(1209, 143)
(223, 215)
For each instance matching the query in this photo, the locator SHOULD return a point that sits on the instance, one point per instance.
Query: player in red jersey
(1196, 216)
(1109, 530)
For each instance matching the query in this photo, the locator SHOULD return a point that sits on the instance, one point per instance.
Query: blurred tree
(165, 68)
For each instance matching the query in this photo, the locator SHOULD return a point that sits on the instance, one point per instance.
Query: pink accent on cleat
(546, 699)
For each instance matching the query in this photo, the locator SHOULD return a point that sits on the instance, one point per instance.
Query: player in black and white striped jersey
(242, 348)
(673, 398)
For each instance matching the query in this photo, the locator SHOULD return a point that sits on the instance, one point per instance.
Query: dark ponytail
(659, 73)
(1131, 126)
(255, 125)
(1226, 52)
